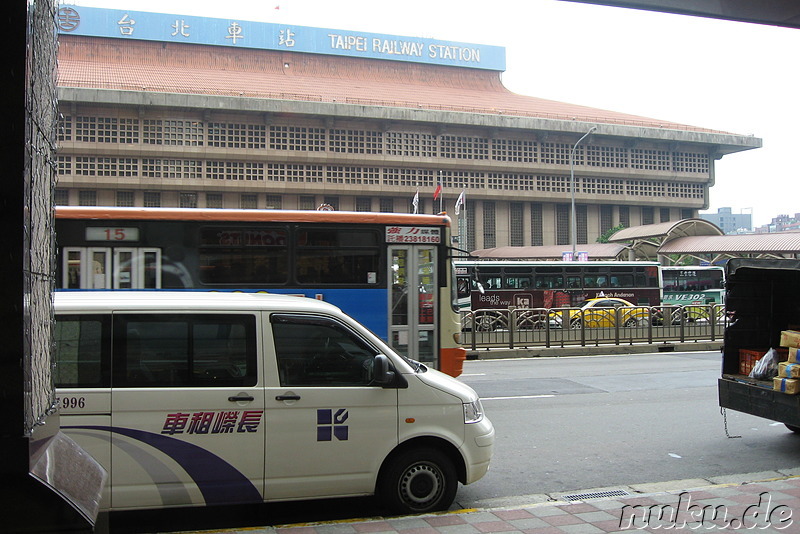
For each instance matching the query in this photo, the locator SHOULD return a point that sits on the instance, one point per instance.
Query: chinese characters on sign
(286, 38)
(234, 32)
(126, 25)
(69, 19)
(412, 234)
(180, 27)
(186, 28)
(225, 422)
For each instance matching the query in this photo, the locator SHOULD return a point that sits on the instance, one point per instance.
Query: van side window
(318, 351)
(167, 350)
(82, 351)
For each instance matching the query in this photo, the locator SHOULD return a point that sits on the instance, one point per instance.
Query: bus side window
(517, 282)
(549, 281)
(625, 280)
(573, 282)
(491, 282)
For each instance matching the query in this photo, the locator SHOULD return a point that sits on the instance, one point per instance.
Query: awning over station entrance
(670, 243)
(646, 241)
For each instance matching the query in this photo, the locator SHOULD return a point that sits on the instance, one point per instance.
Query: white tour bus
(202, 398)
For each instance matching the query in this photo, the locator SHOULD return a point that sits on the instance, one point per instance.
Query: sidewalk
(770, 505)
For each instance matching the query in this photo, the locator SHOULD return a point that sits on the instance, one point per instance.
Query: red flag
(437, 192)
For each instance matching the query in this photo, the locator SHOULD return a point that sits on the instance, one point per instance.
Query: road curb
(498, 353)
(636, 490)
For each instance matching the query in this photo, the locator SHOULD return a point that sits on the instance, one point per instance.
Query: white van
(200, 398)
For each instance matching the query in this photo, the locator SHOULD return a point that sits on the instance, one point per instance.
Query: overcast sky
(730, 76)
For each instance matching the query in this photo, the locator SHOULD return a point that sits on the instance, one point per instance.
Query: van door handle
(287, 397)
(241, 398)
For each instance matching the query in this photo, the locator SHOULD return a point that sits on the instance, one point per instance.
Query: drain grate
(595, 495)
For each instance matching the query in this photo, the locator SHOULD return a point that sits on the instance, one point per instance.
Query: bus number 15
(107, 233)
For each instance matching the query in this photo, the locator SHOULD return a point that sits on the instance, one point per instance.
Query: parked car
(600, 313)
(197, 398)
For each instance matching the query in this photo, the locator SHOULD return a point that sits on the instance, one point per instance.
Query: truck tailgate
(760, 401)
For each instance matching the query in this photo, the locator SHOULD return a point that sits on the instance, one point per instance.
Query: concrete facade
(150, 125)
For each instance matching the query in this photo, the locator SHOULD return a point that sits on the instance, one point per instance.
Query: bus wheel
(418, 481)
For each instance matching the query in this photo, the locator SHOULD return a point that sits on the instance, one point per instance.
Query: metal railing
(559, 327)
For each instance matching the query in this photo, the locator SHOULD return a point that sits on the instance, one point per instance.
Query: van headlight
(473, 412)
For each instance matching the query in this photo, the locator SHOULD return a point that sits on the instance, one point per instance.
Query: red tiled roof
(100, 63)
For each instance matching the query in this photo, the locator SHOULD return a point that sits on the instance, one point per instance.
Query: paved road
(571, 424)
(567, 425)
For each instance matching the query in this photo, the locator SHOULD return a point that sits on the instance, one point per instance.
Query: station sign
(142, 25)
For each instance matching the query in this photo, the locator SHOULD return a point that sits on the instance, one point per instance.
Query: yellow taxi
(600, 313)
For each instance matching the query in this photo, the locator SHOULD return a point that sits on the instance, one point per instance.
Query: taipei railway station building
(183, 111)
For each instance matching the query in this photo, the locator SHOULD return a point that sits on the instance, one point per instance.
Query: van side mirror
(381, 372)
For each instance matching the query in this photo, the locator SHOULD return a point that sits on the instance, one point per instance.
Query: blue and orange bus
(391, 272)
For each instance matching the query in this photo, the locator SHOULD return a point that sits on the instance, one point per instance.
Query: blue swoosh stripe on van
(217, 480)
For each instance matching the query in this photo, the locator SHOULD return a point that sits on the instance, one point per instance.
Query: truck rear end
(762, 300)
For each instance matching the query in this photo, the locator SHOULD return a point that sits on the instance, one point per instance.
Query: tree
(608, 233)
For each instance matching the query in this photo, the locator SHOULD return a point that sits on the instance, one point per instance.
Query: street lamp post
(573, 218)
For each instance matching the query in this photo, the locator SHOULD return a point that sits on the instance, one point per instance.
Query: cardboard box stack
(788, 379)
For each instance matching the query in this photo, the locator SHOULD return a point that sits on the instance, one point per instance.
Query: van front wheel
(418, 481)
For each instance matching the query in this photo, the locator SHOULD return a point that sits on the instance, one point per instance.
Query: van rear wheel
(418, 481)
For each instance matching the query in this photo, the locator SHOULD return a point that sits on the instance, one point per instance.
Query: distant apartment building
(729, 222)
(781, 223)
